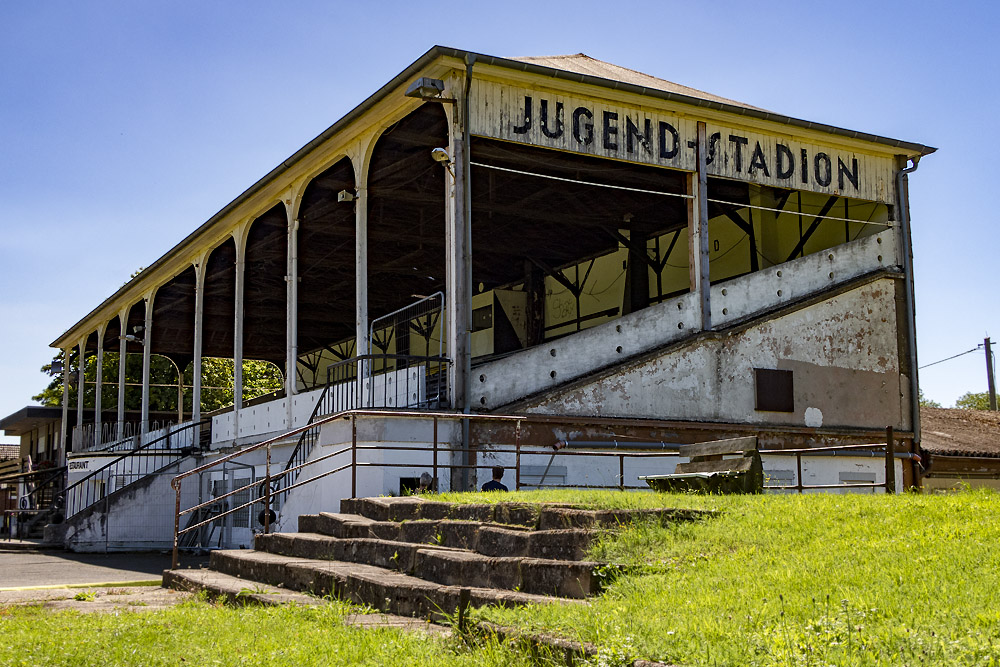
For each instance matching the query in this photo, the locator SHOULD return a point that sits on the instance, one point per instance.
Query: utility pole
(992, 388)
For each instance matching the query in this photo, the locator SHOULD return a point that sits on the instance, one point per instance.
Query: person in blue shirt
(495, 484)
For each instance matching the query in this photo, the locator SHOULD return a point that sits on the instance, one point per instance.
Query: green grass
(771, 580)
(199, 633)
(795, 580)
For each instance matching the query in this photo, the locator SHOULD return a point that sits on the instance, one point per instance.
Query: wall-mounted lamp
(133, 338)
(429, 90)
(440, 155)
(345, 196)
(55, 368)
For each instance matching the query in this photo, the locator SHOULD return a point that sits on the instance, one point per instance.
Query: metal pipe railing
(516, 448)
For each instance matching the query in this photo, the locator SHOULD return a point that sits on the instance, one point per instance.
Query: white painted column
(458, 258)
(66, 445)
(698, 266)
(99, 385)
(80, 383)
(200, 268)
(122, 355)
(240, 236)
(363, 342)
(291, 306)
(147, 351)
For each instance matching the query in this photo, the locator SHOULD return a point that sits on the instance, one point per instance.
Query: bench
(710, 471)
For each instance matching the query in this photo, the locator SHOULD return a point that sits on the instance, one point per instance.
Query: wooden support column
(458, 260)
(240, 237)
(291, 300)
(122, 355)
(534, 287)
(99, 385)
(698, 232)
(147, 351)
(80, 384)
(200, 268)
(65, 403)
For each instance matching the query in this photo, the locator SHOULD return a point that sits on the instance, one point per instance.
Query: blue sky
(125, 125)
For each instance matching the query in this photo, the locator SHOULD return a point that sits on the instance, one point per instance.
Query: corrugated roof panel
(581, 63)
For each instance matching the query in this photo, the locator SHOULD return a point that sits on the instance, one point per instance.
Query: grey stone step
(233, 589)
(559, 578)
(392, 555)
(566, 544)
(381, 588)
(546, 516)
(410, 508)
(241, 591)
(458, 534)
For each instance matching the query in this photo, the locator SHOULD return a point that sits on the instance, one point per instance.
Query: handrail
(176, 456)
(517, 449)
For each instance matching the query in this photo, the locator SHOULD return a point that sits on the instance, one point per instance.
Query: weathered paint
(842, 351)
(544, 367)
(666, 137)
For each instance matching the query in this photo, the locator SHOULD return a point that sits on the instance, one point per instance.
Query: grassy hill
(771, 580)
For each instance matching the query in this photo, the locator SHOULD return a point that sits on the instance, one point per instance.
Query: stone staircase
(414, 557)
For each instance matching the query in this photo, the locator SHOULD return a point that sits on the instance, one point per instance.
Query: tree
(259, 378)
(926, 402)
(973, 401)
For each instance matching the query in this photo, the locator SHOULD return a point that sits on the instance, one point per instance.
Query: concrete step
(381, 588)
(233, 589)
(550, 516)
(392, 555)
(410, 508)
(565, 544)
(242, 592)
(559, 578)
(458, 534)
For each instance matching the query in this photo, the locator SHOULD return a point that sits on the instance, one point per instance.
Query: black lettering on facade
(842, 171)
(823, 168)
(675, 141)
(739, 142)
(523, 129)
(583, 132)
(784, 162)
(713, 146)
(632, 134)
(805, 166)
(543, 116)
(758, 162)
(610, 131)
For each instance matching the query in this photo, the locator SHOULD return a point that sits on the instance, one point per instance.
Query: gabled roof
(580, 68)
(952, 432)
(581, 63)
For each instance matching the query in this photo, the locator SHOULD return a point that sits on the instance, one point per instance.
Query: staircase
(412, 557)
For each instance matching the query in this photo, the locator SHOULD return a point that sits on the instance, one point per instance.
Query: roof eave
(67, 339)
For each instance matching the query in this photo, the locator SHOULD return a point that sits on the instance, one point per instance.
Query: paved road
(61, 568)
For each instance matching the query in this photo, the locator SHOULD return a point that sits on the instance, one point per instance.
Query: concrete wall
(376, 432)
(549, 366)
(842, 352)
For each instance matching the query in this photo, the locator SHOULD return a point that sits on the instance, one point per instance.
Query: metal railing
(889, 447)
(425, 318)
(130, 467)
(303, 448)
(388, 381)
(86, 439)
(519, 452)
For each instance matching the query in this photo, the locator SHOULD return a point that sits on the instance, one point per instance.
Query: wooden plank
(742, 464)
(730, 446)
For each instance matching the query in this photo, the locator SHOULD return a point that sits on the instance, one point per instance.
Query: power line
(941, 361)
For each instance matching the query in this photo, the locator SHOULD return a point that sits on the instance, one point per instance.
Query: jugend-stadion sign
(594, 127)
